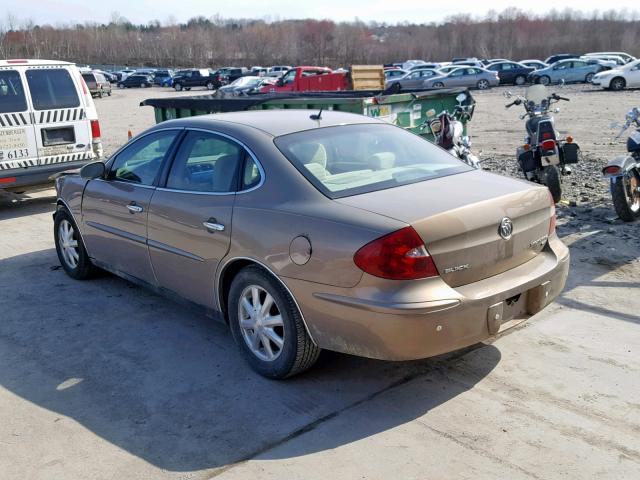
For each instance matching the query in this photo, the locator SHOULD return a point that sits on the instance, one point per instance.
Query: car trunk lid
(459, 217)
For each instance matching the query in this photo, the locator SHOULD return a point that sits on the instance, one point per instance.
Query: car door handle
(133, 208)
(213, 226)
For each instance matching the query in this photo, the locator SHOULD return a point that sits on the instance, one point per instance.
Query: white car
(48, 122)
(625, 56)
(626, 76)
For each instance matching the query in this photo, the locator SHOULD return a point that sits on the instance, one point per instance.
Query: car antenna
(317, 116)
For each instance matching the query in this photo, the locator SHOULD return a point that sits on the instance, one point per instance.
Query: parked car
(626, 76)
(278, 70)
(135, 81)
(394, 73)
(242, 86)
(470, 77)
(535, 64)
(149, 72)
(97, 84)
(123, 74)
(48, 122)
(425, 65)
(611, 61)
(625, 56)
(163, 77)
(569, 71)
(413, 80)
(324, 252)
(110, 76)
(468, 63)
(511, 73)
(231, 74)
(188, 79)
(448, 68)
(560, 56)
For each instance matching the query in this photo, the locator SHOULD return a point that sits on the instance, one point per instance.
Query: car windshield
(348, 160)
(246, 81)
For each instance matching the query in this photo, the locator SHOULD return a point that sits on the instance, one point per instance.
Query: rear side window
(12, 97)
(52, 88)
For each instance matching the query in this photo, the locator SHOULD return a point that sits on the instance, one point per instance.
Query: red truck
(322, 79)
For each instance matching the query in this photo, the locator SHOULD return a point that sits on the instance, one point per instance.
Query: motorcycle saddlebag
(570, 153)
(528, 161)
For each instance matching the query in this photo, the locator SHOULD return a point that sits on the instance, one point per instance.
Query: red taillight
(95, 129)
(400, 255)
(548, 145)
(546, 135)
(552, 221)
(8, 180)
(611, 170)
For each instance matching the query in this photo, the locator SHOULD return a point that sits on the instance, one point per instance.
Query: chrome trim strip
(219, 299)
(118, 233)
(168, 248)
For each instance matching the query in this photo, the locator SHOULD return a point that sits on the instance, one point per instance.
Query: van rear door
(18, 147)
(62, 130)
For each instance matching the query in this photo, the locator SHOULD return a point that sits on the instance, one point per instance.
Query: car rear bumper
(357, 321)
(21, 178)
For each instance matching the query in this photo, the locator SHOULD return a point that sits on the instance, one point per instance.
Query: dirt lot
(103, 380)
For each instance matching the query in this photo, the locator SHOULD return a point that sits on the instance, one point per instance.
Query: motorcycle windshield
(536, 94)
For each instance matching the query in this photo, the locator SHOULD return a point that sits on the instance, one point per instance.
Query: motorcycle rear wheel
(551, 179)
(626, 197)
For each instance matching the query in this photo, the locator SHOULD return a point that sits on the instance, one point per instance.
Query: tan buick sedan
(343, 233)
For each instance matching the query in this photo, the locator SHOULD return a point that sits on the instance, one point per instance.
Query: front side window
(52, 88)
(12, 98)
(140, 162)
(289, 77)
(348, 160)
(207, 163)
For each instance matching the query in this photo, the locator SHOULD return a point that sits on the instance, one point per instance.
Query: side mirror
(280, 82)
(461, 97)
(93, 170)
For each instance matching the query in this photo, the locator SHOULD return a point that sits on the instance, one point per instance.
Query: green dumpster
(407, 110)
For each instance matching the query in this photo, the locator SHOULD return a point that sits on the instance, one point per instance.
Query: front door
(190, 219)
(633, 76)
(115, 209)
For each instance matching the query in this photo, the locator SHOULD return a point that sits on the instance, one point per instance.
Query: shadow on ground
(168, 385)
(14, 205)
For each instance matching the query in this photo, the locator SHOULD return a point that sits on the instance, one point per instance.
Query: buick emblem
(506, 228)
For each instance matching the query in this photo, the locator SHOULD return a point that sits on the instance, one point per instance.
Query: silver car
(413, 80)
(470, 77)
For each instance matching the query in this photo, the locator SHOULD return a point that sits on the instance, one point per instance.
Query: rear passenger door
(190, 218)
(18, 147)
(62, 131)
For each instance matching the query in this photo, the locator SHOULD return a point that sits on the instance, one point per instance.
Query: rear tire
(483, 85)
(209, 86)
(177, 87)
(617, 84)
(551, 179)
(71, 251)
(544, 80)
(120, 85)
(589, 77)
(292, 351)
(625, 200)
(438, 85)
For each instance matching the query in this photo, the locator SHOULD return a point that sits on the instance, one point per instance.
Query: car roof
(274, 122)
(37, 62)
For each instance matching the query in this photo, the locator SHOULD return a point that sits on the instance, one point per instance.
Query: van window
(52, 88)
(12, 97)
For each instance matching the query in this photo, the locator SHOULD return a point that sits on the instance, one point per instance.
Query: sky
(416, 11)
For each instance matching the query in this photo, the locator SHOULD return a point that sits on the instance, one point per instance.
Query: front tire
(177, 87)
(209, 86)
(617, 84)
(544, 80)
(520, 80)
(267, 326)
(626, 197)
(71, 251)
(551, 179)
(589, 77)
(438, 85)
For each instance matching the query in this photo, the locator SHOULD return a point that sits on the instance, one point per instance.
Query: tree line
(217, 41)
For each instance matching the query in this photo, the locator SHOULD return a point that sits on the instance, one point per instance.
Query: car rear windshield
(349, 160)
(89, 79)
(52, 88)
(12, 97)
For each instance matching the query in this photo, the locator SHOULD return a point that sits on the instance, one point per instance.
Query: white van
(48, 122)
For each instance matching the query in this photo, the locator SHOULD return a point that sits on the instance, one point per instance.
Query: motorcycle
(623, 172)
(448, 130)
(544, 156)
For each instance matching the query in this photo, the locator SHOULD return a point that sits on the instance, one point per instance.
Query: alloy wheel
(68, 243)
(483, 84)
(261, 323)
